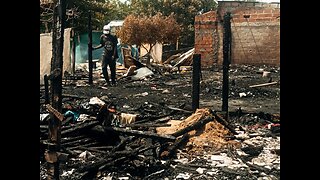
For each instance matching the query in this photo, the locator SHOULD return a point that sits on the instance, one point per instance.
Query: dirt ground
(155, 94)
(176, 89)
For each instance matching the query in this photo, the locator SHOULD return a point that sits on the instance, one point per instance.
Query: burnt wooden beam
(154, 119)
(154, 174)
(55, 112)
(91, 149)
(76, 142)
(179, 109)
(224, 123)
(264, 84)
(85, 145)
(80, 127)
(128, 155)
(66, 121)
(102, 147)
(147, 125)
(141, 133)
(70, 139)
(92, 166)
(54, 123)
(196, 125)
(122, 143)
(104, 163)
(171, 150)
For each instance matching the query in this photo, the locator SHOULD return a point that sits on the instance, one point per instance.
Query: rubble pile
(144, 128)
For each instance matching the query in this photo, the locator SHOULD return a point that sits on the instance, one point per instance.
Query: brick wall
(255, 31)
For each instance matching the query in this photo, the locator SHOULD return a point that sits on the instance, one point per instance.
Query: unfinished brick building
(255, 29)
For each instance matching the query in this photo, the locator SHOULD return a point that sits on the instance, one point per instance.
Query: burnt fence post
(196, 71)
(54, 123)
(226, 62)
(90, 49)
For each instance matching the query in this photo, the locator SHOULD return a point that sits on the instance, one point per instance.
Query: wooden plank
(264, 84)
(141, 133)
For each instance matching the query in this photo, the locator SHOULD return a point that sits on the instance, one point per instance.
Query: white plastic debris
(223, 160)
(141, 94)
(242, 94)
(123, 178)
(85, 155)
(43, 116)
(186, 95)
(126, 118)
(97, 101)
(264, 178)
(166, 91)
(107, 178)
(266, 74)
(183, 176)
(200, 170)
(142, 73)
(182, 160)
(242, 136)
(211, 173)
(67, 173)
(83, 117)
(126, 106)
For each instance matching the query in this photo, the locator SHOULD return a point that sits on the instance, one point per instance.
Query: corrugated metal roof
(115, 23)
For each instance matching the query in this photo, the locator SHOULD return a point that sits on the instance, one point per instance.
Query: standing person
(109, 56)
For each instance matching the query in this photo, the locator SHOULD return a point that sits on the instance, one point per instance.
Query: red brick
(267, 11)
(265, 15)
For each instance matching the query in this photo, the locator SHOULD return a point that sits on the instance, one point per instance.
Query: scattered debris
(144, 128)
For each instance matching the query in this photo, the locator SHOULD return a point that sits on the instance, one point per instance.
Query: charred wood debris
(159, 141)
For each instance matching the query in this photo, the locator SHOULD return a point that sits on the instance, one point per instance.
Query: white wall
(46, 53)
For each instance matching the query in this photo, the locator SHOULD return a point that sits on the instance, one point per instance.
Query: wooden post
(177, 44)
(196, 81)
(46, 89)
(90, 49)
(54, 123)
(73, 50)
(226, 62)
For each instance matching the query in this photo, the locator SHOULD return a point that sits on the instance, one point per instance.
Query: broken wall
(46, 53)
(255, 29)
(156, 52)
